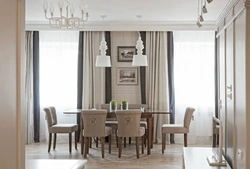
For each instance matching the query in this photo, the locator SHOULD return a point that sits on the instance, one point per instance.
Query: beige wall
(234, 58)
(131, 93)
(12, 154)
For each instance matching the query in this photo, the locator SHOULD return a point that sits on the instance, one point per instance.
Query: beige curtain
(93, 77)
(157, 82)
(29, 87)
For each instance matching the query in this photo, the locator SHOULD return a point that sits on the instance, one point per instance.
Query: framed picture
(126, 53)
(127, 76)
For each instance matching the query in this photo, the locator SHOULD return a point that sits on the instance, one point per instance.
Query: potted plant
(124, 105)
(113, 105)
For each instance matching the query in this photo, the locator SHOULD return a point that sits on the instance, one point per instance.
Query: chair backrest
(188, 116)
(50, 116)
(128, 122)
(94, 122)
(105, 106)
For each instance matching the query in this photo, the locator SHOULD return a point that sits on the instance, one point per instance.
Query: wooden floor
(171, 159)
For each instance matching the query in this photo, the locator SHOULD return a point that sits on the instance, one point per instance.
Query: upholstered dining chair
(94, 126)
(129, 126)
(55, 128)
(178, 128)
(143, 122)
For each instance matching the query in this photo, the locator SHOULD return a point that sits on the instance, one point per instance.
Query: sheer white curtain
(58, 75)
(194, 81)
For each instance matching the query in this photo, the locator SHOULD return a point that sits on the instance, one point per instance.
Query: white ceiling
(121, 12)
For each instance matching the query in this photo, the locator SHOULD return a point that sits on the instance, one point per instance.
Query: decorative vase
(113, 106)
(124, 105)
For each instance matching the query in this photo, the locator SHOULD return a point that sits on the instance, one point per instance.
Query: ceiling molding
(129, 26)
(226, 11)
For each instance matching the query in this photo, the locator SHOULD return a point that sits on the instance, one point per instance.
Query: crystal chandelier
(65, 21)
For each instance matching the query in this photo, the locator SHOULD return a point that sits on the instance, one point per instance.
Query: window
(58, 73)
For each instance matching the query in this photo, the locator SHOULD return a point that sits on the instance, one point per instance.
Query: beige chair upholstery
(178, 128)
(129, 126)
(54, 127)
(94, 126)
(113, 122)
(143, 122)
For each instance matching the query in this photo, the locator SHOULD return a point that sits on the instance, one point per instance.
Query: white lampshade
(102, 61)
(140, 60)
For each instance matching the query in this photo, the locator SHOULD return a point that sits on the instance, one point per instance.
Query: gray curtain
(171, 80)
(32, 95)
(108, 75)
(29, 87)
(143, 71)
(36, 90)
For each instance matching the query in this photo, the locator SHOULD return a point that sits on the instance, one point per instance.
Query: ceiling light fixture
(204, 8)
(66, 21)
(103, 60)
(139, 59)
(200, 17)
(209, 1)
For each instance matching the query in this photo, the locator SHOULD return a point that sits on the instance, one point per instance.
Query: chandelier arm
(45, 13)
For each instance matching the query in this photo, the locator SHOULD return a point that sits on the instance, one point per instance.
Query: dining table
(147, 114)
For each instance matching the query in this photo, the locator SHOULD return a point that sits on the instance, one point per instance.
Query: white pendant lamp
(103, 60)
(139, 59)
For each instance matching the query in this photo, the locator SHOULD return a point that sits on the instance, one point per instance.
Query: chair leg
(145, 138)
(54, 142)
(76, 140)
(185, 140)
(86, 140)
(120, 147)
(102, 145)
(96, 143)
(110, 144)
(70, 141)
(129, 141)
(49, 144)
(90, 142)
(137, 147)
(82, 144)
(163, 142)
(125, 142)
(117, 142)
(142, 144)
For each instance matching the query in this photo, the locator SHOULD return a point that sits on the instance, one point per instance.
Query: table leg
(150, 134)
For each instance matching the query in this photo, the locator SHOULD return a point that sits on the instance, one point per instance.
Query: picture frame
(125, 53)
(127, 76)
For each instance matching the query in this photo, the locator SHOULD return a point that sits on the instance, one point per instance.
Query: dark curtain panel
(216, 76)
(143, 71)
(171, 80)
(108, 75)
(79, 79)
(36, 86)
(79, 71)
